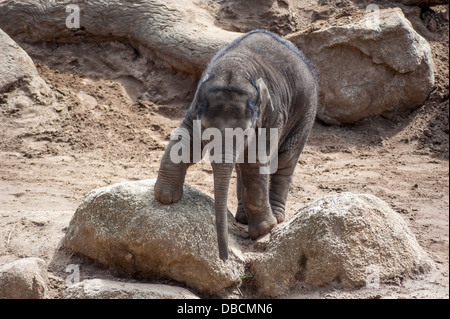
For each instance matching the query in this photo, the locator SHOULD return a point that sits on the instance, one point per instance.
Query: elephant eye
(201, 107)
(253, 109)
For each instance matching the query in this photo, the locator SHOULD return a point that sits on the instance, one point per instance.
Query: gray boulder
(345, 239)
(25, 278)
(123, 227)
(109, 289)
(23, 93)
(17, 69)
(15, 64)
(376, 65)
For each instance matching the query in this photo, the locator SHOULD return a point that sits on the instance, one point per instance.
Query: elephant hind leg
(255, 199)
(241, 215)
(279, 189)
(280, 181)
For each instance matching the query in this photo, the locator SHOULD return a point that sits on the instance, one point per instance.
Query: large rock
(181, 33)
(345, 239)
(17, 68)
(376, 65)
(15, 64)
(109, 289)
(122, 226)
(24, 96)
(25, 278)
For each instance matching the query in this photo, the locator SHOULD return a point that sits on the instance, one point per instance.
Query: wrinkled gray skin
(258, 81)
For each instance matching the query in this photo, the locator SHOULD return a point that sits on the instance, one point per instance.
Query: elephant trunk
(222, 174)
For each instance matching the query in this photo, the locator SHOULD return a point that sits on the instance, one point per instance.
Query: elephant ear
(195, 108)
(265, 106)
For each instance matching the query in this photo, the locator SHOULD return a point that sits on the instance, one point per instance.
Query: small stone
(109, 289)
(25, 278)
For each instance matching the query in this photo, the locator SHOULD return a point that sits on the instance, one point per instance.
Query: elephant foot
(241, 216)
(262, 227)
(167, 193)
(279, 215)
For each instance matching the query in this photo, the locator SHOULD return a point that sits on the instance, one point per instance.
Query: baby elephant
(264, 88)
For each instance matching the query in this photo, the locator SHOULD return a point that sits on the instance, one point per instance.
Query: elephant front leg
(174, 164)
(255, 199)
(169, 184)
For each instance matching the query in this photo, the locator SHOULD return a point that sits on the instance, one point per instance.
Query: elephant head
(228, 101)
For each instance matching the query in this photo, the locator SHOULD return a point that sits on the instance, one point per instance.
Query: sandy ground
(110, 127)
